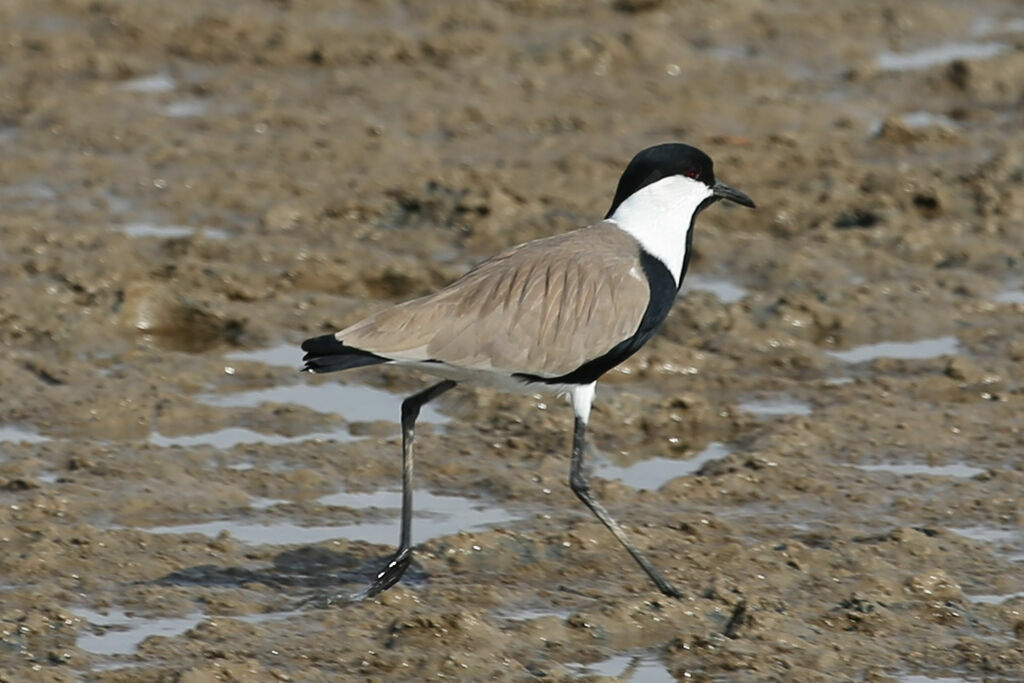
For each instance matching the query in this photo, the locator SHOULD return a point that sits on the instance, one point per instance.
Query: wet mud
(821, 448)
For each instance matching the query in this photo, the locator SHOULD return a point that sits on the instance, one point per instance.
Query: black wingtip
(326, 354)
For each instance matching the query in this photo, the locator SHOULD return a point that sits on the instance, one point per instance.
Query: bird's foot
(670, 590)
(382, 580)
(386, 577)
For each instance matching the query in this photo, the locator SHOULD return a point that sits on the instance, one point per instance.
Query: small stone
(962, 369)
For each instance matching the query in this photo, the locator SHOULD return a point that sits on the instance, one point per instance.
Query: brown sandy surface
(183, 183)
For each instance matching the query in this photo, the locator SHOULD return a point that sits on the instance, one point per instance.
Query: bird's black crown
(663, 161)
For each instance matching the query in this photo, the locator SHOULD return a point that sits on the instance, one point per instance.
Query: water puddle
(914, 350)
(993, 599)
(917, 120)
(651, 473)
(230, 437)
(776, 407)
(927, 119)
(959, 470)
(727, 291)
(989, 25)
(1010, 296)
(283, 355)
(646, 668)
(265, 617)
(155, 83)
(354, 402)
(531, 613)
(27, 193)
(261, 503)
(13, 434)
(435, 515)
(441, 515)
(146, 229)
(987, 534)
(120, 634)
(186, 108)
(938, 55)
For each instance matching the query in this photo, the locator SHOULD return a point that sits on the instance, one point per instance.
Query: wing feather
(544, 307)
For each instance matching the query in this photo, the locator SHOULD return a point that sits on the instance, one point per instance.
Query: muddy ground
(822, 448)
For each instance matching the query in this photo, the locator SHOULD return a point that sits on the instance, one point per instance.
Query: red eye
(693, 172)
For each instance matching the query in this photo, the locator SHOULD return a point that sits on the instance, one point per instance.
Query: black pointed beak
(723, 191)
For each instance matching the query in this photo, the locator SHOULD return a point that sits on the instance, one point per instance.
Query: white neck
(658, 217)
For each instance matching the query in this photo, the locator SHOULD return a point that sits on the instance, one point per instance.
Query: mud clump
(170, 319)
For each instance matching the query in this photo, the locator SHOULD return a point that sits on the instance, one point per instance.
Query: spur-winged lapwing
(551, 315)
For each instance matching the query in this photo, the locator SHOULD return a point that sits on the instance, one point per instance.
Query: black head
(672, 159)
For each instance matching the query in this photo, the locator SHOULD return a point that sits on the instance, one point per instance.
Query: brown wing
(544, 307)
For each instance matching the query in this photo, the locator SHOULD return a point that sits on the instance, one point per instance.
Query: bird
(547, 316)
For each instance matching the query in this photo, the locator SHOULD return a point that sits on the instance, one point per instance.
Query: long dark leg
(399, 562)
(581, 487)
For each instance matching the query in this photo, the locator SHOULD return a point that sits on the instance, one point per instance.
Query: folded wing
(545, 308)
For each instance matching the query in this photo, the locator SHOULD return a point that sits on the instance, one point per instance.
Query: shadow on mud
(310, 567)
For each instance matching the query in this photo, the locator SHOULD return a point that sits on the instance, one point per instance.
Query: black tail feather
(327, 354)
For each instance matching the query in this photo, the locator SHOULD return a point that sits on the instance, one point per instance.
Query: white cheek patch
(659, 216)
